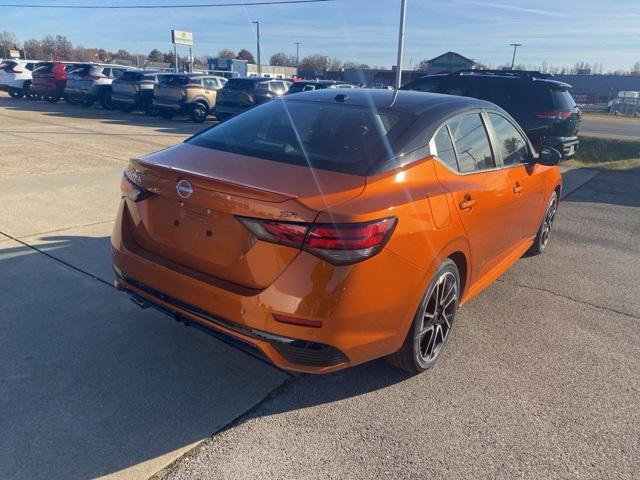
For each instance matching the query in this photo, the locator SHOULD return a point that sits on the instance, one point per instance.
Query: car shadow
(178, 125)
(92, 385)
(611, 187)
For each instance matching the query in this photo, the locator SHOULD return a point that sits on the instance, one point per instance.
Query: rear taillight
(337, 243)
(130, 188)
(553, 114)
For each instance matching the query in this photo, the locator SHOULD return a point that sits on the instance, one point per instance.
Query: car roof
(504, 76)
(323, 82)
(408, 101)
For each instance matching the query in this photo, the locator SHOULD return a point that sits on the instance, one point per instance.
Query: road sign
(178, 37)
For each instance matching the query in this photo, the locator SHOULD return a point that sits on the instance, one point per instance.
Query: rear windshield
(7, 65)
(240, 84)
(81, 71)
(43, 68)
(131, 76)
(336, 137)
(304, 87)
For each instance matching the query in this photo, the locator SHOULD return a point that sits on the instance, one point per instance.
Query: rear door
(481, 191)
(527, 186)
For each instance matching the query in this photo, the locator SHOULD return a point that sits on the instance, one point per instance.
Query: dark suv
(240, 94)
(542, 106)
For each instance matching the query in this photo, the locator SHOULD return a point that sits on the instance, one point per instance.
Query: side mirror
(549, 156)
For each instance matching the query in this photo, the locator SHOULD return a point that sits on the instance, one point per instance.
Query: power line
(129, 7)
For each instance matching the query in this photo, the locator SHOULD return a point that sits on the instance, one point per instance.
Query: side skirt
(516, 253)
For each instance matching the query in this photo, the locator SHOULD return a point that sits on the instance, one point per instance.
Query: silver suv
(92, 83)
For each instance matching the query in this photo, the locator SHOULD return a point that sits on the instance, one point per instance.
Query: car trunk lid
(198, 192)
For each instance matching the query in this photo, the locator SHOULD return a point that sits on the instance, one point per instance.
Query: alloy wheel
(548, 221)
(437, 317)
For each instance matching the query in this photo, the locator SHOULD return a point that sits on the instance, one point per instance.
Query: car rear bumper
(229, 110)
(12, 85)
(359, 323)
(566, 145)
(48, 89)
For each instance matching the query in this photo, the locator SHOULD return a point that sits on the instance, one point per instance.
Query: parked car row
(196, 95)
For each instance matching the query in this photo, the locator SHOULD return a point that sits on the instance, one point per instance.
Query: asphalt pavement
(540, 380)
(541, 377)
(91, 386)
(610, 126)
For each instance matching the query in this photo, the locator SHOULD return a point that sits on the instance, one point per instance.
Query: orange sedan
(327, 229)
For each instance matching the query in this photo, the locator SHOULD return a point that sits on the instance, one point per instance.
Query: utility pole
(258, 37)
(175, 56)
(297, 44)
(515, 47)
(403, 14)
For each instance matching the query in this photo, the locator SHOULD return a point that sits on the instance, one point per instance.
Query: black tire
(166, 114)
(199, 112)
(126, 108)
(53, 99)
(16, 93)
(428, 336)
(71, 101)
(542, 237)
(106, 101)
(151, 110)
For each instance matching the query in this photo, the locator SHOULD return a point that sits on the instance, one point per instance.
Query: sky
(557, 32)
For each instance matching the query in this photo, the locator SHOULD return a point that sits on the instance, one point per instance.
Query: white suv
(15, 77)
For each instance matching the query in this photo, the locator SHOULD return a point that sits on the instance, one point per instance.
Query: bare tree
(226, 53)
(33, 49)
(8, 41)
(314, 62)
(281, 59)
(245, 54)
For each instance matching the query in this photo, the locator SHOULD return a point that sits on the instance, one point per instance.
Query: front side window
(511, 144)
(472, 144)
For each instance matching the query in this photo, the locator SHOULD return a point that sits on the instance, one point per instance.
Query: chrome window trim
(482, 112)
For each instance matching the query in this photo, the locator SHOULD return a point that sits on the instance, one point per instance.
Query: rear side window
(176, 80)
(424, 85)
(336, 137)
(472, 144)
(240, 84)
(511, 144)
(444, 148)
(131, 76)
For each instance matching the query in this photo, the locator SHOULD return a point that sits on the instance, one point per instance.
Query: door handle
(467, 203)
(517, 188)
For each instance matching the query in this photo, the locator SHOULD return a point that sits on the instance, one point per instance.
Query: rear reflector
(553, 114)
(303, 322)
(337, 243)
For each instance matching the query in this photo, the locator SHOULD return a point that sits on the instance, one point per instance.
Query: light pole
(515, 47)
(258, 46)
(403, 14)
(297, 44)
